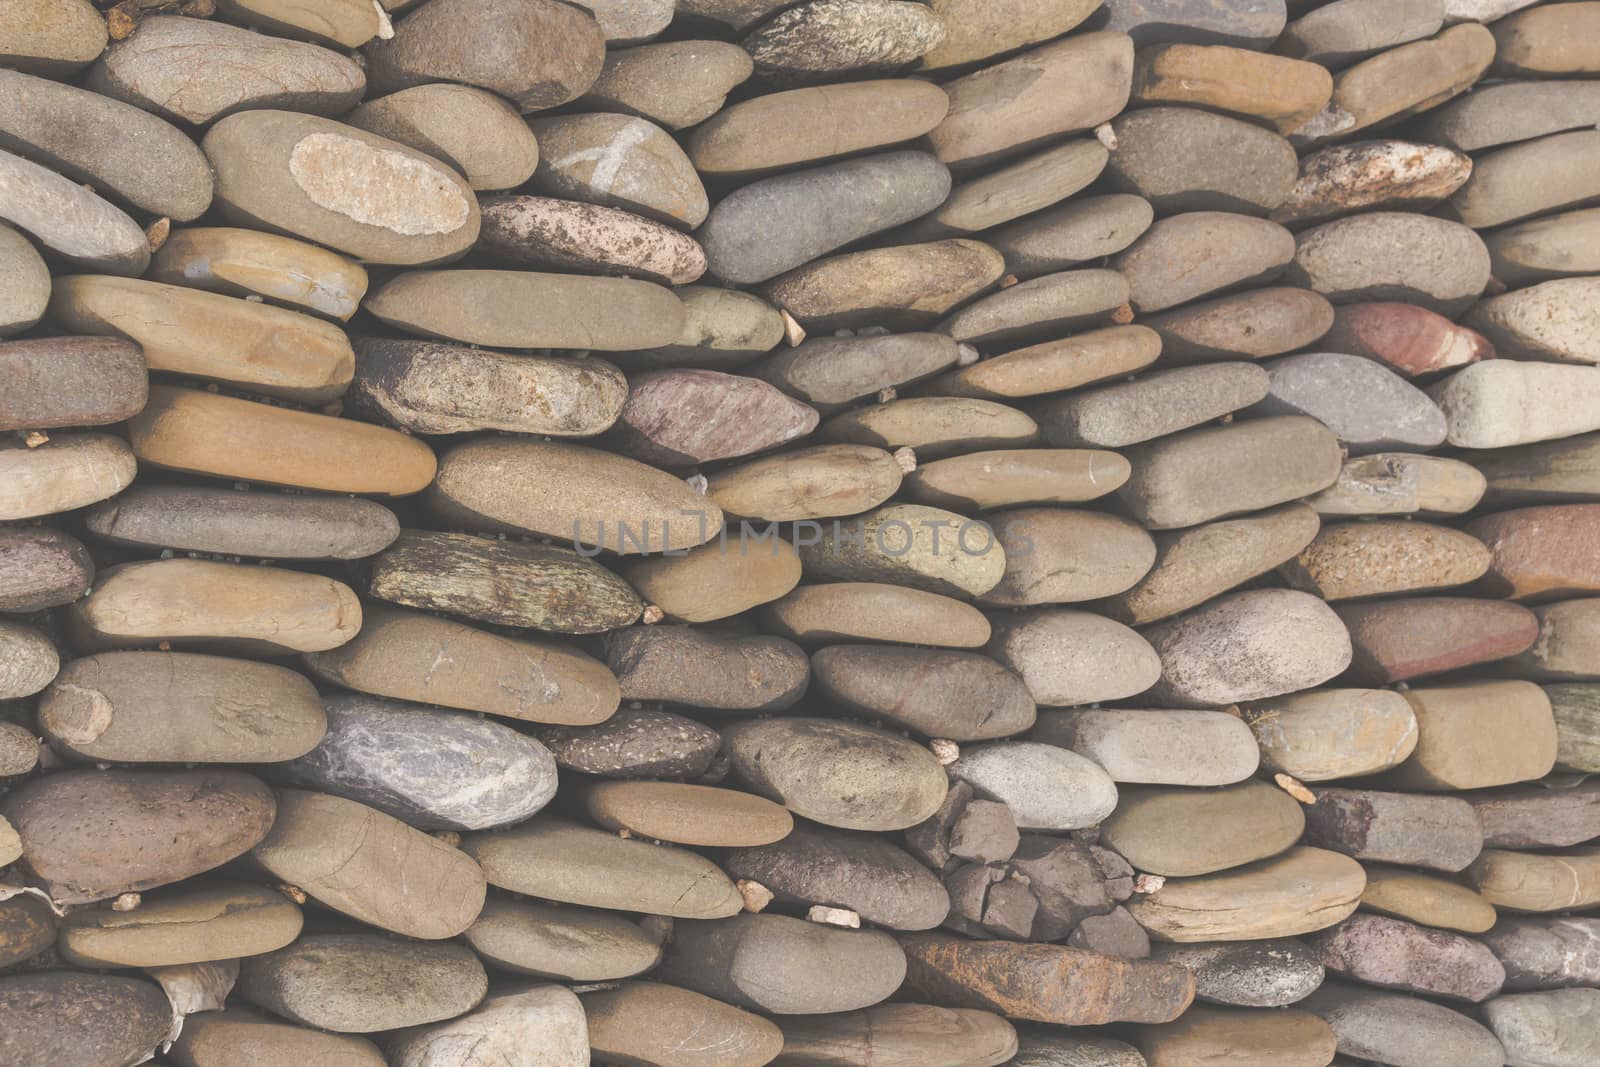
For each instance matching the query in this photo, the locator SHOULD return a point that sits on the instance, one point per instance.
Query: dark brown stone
(27, 928)
(40, 568)
(87, 1020)
(70, 381)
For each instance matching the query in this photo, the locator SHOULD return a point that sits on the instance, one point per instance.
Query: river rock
(1549, 321)
(19, 754)
(1538, 881)
(1172, 831)
(732, 672)
(1375, 558)
(537, 55)
(1441, 833)
(909, 544)
(1336, 34)
(675, 84)
(1556, 1028)
(1155, 746)
(934, 426)
(1565, 646)
(1184, 257)
(238, 262)
(26, 283)
(41, 567)
(344, 22)
(1577, 712)
(1547, 953)
(822, 39)
(175, 707)
(1115, 416)
(618, 161)
(829, 372)
(1396, 256)
(1410, 340)
(1248, 325)
(221, 1038)
(1547, 43)
(1032, 183)
(1394, 1028)
(1078, 232)
(1372, 175)
(962, 696)
(845, 869)
(217, 921)
(902, 286)
(1047, 788)
(977, 30)
(96, 1020)
(686, 814)
(779, 223)
(195, 71)
(1510, 111)
(1532, 178)
(900, 1033)
(1540, 552)
(1478, 734)
(1301, 890)
(984, 480)
(1062, 555)
(68, 471)
(71, 381)
(1248, 974)
(28, 927)
(1281, 1039)
(358, 983)
(70, 220)
(1391, 414)
(634, 743)
(1037, 311)
(474, 131)
(1325, 734)
(722, 329)
(28, 663)
(1426, 898)
(566, 943)
(1401, 483)
(1253, 24)
(656, 1023)
(871, 611)
(510, 583)
(436, 770)
(62, 37)
(1044, 983)
(170, 825)
(1068, 657)
(1509, 402)
(587, 238)
(1556, 246)
(1398, 640)
(1182, 159)
(668, 417)
(519, 1027)
(1281, 92)
(716, 581)
(1538, 817)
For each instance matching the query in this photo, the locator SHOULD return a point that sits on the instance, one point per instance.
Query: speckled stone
(1553, 320)
(1250, 974)
(963, 696)
(1184, 159)
(1556, 1028)
(256, 524)
(1153, 405)
(1441, 833)
(733, 672)
(1372, 176)
(1188, 256)
(1360, 559)
(1393, 255)
(1542, 953)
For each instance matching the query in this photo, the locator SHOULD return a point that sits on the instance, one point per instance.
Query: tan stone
(660, 1024)
(718, 579)
(1065, 555)
(934, 427)
(1538, 881)
(474, 131)
(1429, 899)
(820, 482)
(1239, 1037)
(1277, 90)
(1541, 552)
(1362, 559)
(67, 472)
(899, 1035)
(1304, 889)
(687, 814)
(982, 480)
(194, 925)
(1323, 734)
(1175, 831)
(1478, 734)
(978, 29)
(868, 611)
(674, 83)
(1401, 483)
(567, 943)
(1568, 645)
(56, 38)
(905, 287)
(238, 262)
(908, 544)
(349, 23)
(1011, 192)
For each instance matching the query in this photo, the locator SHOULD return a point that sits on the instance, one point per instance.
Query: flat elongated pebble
(1046, 787)
(896, 1033)
(194, 71)
(1238, 1036)
(1301, 890)
(539, 231)
(1213, 472)
(1333, 733)
(220, 1038)
(1376, 558)
(313, 178)
(899, 286)
(1018, 189)
(571, 492)
(837, 773)
(1271, 973)
(863, 872)
(1155, 746)
(436, 770)
(1279, 91)
(827, 372)
(1410, 340)
(1079, 231)
(626, 22)
(1532, 178)
(1401, 483)
(1253, 24)
(687, 814)
(1069, 85)
(1554, 246)
(359, 983)
(1068, 657)
(732, 672)
(979, 30)
(1549, 321)
(1425, 898)
(171, 825)
(67, 472)
(526, 309)
(1052, 366)
(1544, 953)
(685, 416)
(722, 328)
(371, 866)
(1399, 640)
(1533, 816)
(1565, 647)
(238, 262)
(196, 334)
(1154, 405)
(70, 381)
(1372, 176)
(634, 743)
(676, 83)
(474, 131)
(520, 1027)
(1540, 553)
(63, 36)
(1033, 311)
(822, 39)
(41, 567)
(509, 583)
(1249, 325)
(718, 580)
(562, 861)
(1538, 881)
(983, 480)
(869, 611)
(434, 388)
(201, 602)
(776, 224)
(1511, 111)
(537, 55)
(963, 696)
(24, 281)
(566, 943)
(1555, 1028)
(1478, 734)
(134, 156)
(1502, 403)
(1188, 256)
(935, 426)
(1183, 159)
(1246, 646)
(174, 707)
(618, 161)
(1335, 34)
(1044, 983)
(1394, 256)
(1064, 555)
(909, 544)
(96, 1020)
(1441, 833)
(1548, 43)
(217, 921)
(1193, 565)
(1577, 712)
(408, 655)
(70, 220)
(343, 22)
(222, 436)
(656, 1023)
(1395, 1028)
(29, 662)
(1172, 831)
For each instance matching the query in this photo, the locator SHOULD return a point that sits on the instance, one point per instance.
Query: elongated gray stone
(566, 943)
(1511, 111)
(1393, 255)
(1533, 178)
(1153, 405)
(1394, 1028)
(962, 696)
(732, 672)
(93, 1020)
(1185, 159)
(1079, 231)
(24, 283)
(230, 523)
(1068, 657)
(1184, 257)
(541, 1023)
(1046, 787)
(69, 219)
(1367, 406)
(1560, 1028)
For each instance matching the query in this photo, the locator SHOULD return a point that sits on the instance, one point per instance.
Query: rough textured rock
(1401, 483)
(1046, 1047)
(1252, 24)
(27, 928)
(63, 37)
(1269, 973)
(1420, 831)
(652, 1022)
(733, 672)
(1172, 831)
(1395, 954)
(1535, 816)
(28, 660)
(40, 568)
(1302, 890)
(1046, 787)
(1549, 321)
(1325, 734)
(1376, 558)
(1372, 176)
(677, 418)
(635, 743)
(539, 231)
(963, 696)
(1183, 159)
(902, 286)
(1577, 726)
(1154, 405)
(975, 31)
(1546, 953)
(89, 1019)
(822, 39)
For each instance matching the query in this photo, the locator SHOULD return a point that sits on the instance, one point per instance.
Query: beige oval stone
(195, 925)
(237, 262)
(1008, 193)
(342, 22)
(1277, 90)
(674, 83)
(1478, 734)
(205, 433)
(1429, 899)
(687, 814)
(905, 287)
(474, 131)
(1302, 890)
(1538, 881)
(663, 1025)
(933, 427)
(1253, 324)
(1173, 831)
(718, 579)
(978, 29)
(1063, 555)
(69, 471)
(1401, 483)
(1553, 246)
(1323, 734)
(220, 1038)
(1054, 366)
(1150, 406)
(371, 866)
(869, 611)
(1198, 253)
(908, 544)
(821, 482)
(1068, 657)
(1156, 746)
(1565, 650)
(1361, 559)
(567, 943)
(56, 38)
(1041, 310)
(982, 480)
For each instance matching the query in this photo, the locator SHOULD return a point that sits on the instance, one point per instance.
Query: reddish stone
(1409, 339)
(1395, 954)
(1541, 553)
(678, 418)
(1409, 637)
(41, 567)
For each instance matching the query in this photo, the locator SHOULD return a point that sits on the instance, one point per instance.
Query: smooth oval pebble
(1277, 91)
(227, 522)
(1019, 189)
(1549, 321)
(177, 707)
(563, 861)
(1033, 311)
(1062, 555)
(1398, 640)
(934, 427)
(717, 581)
(1515, 110)
(1291, 1038)
(1536, 177)
(823, 481)
(1478, 734)
(962, 696)
(1068, 657)
(567, 943)
(722, 328)
(982, 480)
(827, 372)
(1322, 734)
(1545, 953)
(28, 660)
(93, 1020)
(1184, 257)
(618, 161)
(1248, 325)
(1554, 246)
(1150, 406)
(237, 262)
(1355, 28)
(219, 1038)
(901, 1033)
(474, 131)
(1171, 831)
(1270, 973)
(1503, 402)
(26, 285)
(1047, 788)
(70, 220)
(1053, 366)
(909, 544)
(1532, 816)
(1537, 881)
(1301, 890)
(1425, 898)
(65, 36)
(675, 83)
(68, 471)
(635, 743)
(215, 921)
(41, 567)
(1410, 340)
(343, 22)
(1155, 746)
(1183, 159)
(733, 672)
(1393, 255)
(70, 381)
(663, 1025)
(28, 927)
(371, 866)
(1078, 232)
(1401, 483)
(171, 825)
(1393, 1027)
(837, 773)
(1360, 559)
(1390, 413)
(1441, 833)
(687, 814)
(1550, 1027)
(871, 611)
(514, 1026)
(823, 38)
(1394, 954)
(540, 231)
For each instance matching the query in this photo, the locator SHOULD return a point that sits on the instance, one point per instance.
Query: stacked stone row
(1036, 532)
